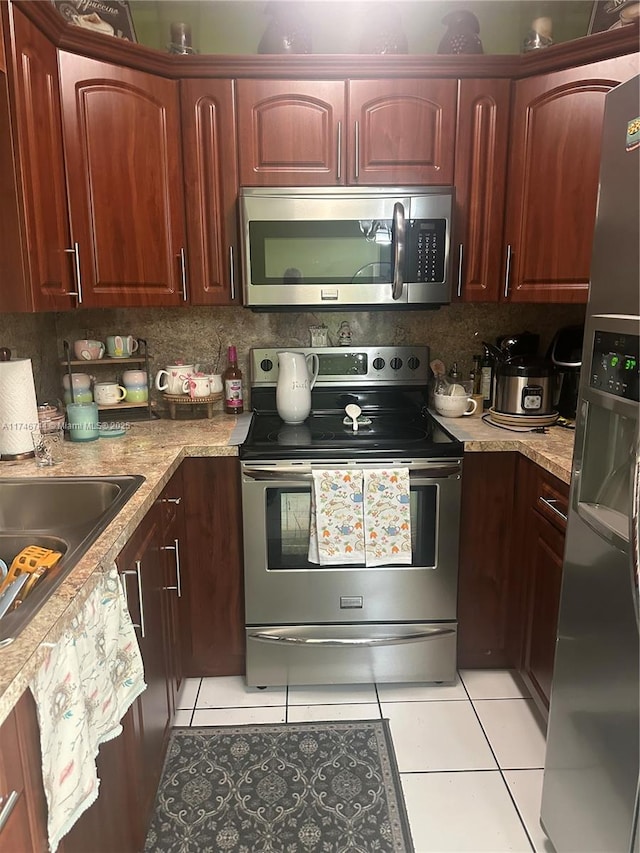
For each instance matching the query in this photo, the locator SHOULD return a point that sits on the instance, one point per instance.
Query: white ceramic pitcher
(297, 375)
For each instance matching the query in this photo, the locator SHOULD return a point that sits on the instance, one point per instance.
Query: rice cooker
(524, 386)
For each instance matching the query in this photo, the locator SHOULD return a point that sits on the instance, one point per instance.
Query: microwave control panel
(426, 245)
(615, 366)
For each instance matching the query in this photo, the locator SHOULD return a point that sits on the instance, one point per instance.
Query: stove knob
(378, 363)
(414, 363)
(396, 363)
(266, 365)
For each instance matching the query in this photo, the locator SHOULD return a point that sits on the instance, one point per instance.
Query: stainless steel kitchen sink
(65, 514)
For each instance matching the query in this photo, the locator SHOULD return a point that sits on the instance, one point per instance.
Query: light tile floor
(470, 755)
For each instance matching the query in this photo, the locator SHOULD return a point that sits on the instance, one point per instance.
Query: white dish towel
(82, 690)
(360, 517)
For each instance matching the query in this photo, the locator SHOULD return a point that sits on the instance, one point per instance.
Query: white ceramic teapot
(297, 375)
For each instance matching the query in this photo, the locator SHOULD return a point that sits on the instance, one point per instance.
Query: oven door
(283, 588)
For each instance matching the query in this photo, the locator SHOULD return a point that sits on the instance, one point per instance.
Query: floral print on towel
(387, 516)
(82, 690)
(336, 532)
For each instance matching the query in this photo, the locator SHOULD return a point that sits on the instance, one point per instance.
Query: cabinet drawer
(552, 500)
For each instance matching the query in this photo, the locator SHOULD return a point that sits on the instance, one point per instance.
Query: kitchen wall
(202, 334)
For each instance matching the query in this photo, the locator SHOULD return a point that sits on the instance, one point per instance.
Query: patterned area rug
(295, 788)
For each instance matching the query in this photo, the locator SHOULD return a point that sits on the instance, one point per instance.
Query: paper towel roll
(18, 407)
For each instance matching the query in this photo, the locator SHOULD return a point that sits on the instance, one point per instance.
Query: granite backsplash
(203, 334)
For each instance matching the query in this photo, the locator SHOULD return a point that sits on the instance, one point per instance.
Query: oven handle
(275, 473)
(391, 640)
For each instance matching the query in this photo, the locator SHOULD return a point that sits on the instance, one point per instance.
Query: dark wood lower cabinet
(212, 607)
(543, 541)
(486, 577)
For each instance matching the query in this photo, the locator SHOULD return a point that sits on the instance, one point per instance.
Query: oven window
(287, 525)
(340, 252)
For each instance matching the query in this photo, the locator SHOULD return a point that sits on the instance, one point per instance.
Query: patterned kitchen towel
(387, 516)
(335, 529)
(82, 690)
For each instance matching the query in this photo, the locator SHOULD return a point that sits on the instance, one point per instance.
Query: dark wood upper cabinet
(123, 159)
(401, 131)
(480, 172)
(211, 188)
(552, 184)
(290, 133)
(324, 133)
(40, 250)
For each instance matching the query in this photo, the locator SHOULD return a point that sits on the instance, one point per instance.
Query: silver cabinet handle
(183, 273)
(356, 134)
(460, 255)
(171, 500)
(398, 250)
(551, 503)
(176, 548)
(232, 273)
(8, 806)
(75, 251)
(507, 272)
(138, 573)
(390, 640)
(339, 157)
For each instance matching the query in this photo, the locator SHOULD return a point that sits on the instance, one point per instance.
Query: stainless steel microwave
(346, 247)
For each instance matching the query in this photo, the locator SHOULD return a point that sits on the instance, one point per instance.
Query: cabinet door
(480, 176)
(291, 133)
(486, 576)
(173, 544)
(23, 817)
(545, 579)
(212, 603)
(401, 131)
(211, 189)
(145, 580)
(39, 171)
(553, 176)
(122, 147)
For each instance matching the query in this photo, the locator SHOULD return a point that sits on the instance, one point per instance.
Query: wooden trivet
(174, 400)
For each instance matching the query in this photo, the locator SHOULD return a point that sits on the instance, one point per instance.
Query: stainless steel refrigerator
(590, 789)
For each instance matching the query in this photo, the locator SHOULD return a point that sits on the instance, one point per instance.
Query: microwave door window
(336, 252)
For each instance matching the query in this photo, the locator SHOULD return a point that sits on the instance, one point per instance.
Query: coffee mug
(87, 350)
(78, 397)
(82, 420)
(172, 378)
(121, 346)
(134, 378)
(215, 382)
(136, 393)
(79, 381)
(454, 406)
(196, 386)
(108, 393)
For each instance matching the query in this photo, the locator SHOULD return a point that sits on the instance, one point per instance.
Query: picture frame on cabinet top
(612, 14)
(109, 17)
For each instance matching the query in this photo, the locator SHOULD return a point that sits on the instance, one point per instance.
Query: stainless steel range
(308, 623)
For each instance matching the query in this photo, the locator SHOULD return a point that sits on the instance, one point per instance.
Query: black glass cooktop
(394, 425)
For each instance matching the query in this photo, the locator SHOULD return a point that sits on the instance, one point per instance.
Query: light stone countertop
(552, 450)
(155, 450)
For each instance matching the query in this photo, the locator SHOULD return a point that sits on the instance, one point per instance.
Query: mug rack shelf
(136, 411)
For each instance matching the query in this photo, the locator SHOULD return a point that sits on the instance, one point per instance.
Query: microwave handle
(399, 238)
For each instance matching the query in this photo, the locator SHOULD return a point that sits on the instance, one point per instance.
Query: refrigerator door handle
(634, 533)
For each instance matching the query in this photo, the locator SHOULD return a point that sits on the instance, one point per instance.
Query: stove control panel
(350, 366)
